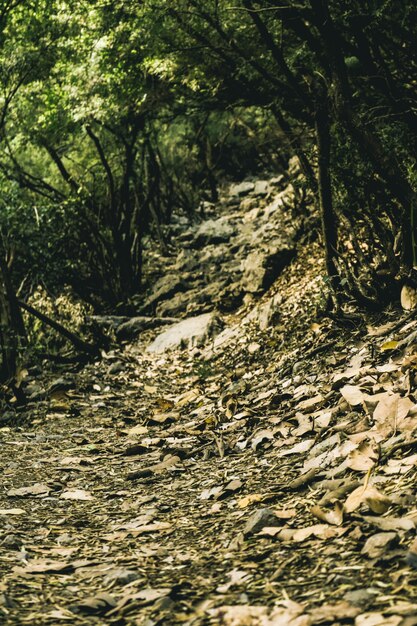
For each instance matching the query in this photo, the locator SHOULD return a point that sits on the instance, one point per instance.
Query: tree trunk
(11, 325)
(328, 221)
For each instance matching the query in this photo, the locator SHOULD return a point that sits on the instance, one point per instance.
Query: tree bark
(328, 220)
(11, 325)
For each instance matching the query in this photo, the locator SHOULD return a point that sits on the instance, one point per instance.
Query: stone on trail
(259, 519)
(241, 189)
(191, 333)
(165, 288)
(212, 232)
(135, 325)
(262, 267)
(262, 188)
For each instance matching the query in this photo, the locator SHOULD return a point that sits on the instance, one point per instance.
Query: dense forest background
(115, 116)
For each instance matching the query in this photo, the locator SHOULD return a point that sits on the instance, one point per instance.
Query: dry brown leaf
(12, 511)
(363, 458)
(377, 619)
(377, 544)
(252, 498)
(76, 494)
(236, 578)
(299, 448)
(310, 402)
(320, 531)
(386, 407)
(334, 517)
(41, 566)
(38, 489)
(400, 466)
(408, 298)
(352, 394)
(377, 501)
(331, 612)
(390, 523)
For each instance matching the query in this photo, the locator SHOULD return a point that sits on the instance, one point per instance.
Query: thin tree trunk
(328, 220)
(11, 325)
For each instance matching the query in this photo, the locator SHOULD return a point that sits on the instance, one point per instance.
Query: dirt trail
(268, 478)
(167, 490)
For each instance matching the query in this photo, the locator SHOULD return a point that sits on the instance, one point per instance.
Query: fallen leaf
(390, 523)
(39, 566)
(246, 501)
(334, 516)
(377, 544)
(321, 531)
(33, 490)
(389, 345)
(331, 612)
(299, 448)
(76, 494)
(363, 458)
(94, 605)
(352, 394)
(377, 501)
(236, 578)
(377, 619)
(310, 402)
(408, 298)
(12, 511)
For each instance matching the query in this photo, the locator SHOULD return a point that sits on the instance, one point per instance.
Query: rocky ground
(247, 463)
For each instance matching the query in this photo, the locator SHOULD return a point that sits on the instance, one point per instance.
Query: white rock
(241, 189)
(189, 333)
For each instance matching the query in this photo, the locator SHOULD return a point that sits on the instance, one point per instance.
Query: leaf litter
(221, 487)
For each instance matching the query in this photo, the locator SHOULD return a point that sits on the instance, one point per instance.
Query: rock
(135, 325)
(116, 368)
(230, 298)
(241, 189)
(259, 519)
(262, 267)
(278, 181)
(261, 188)
(268, 313)
(109, 322)
(408, 298)
(190, 333)
(212, 232)
(174, 306)
(165, 288)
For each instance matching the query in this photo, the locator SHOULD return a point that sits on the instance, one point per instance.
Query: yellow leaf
(389, 345)
(250, 499)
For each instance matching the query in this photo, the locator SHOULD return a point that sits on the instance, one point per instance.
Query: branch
(77, 342)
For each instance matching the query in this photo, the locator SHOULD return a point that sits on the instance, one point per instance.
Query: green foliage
(113, 115)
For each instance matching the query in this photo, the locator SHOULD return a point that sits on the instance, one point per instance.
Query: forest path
(169, 490)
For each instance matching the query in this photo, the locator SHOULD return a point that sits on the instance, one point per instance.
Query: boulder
(191, 332)
(241, 189)
(262, 267)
